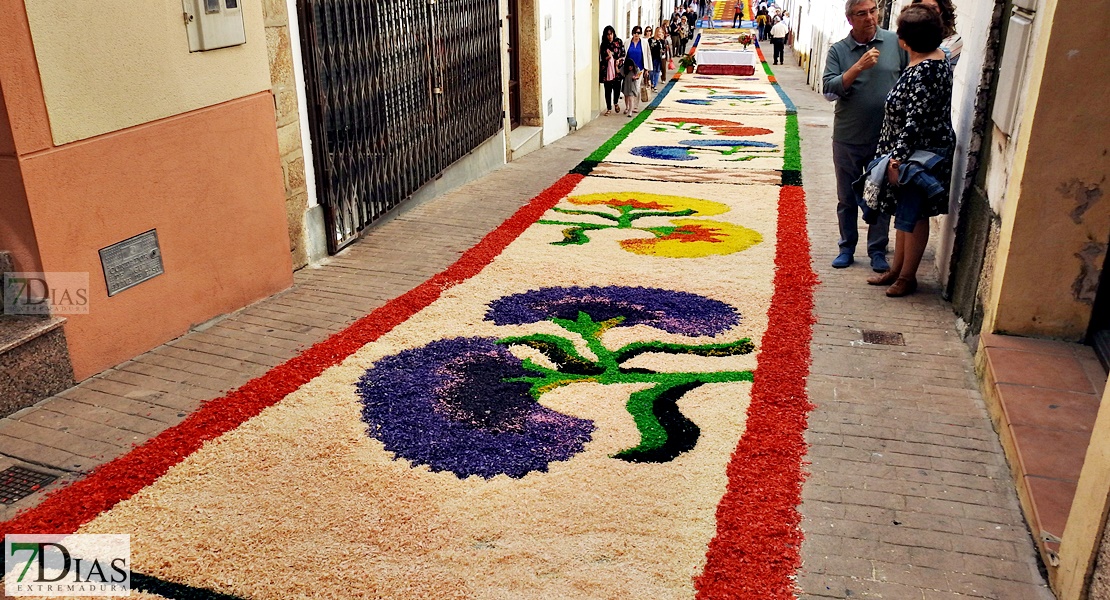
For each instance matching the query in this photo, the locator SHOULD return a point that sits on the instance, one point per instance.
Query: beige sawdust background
(300, 502)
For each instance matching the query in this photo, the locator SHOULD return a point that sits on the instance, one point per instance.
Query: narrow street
(908, 494)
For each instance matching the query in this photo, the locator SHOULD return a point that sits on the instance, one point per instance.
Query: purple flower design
(448, 405)
(669, 310)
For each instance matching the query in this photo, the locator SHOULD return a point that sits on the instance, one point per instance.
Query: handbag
(643, 93)
(670, 65)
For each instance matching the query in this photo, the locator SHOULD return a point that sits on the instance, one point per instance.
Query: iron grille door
(397, 92)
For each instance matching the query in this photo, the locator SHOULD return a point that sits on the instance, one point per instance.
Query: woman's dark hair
(605, 32)
(920, 27)
(947, 15)
(636, 30)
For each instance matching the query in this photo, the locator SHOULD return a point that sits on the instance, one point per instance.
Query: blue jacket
(918, 170)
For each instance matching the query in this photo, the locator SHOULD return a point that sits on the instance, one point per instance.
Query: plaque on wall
(131, 262)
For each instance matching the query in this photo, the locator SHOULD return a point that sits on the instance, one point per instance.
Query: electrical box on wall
(1011, 71)
(213, 24)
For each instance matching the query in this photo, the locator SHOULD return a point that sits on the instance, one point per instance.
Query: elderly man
(859, 72)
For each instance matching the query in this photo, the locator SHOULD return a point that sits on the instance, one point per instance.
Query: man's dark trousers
(850, 160)
(779, 44)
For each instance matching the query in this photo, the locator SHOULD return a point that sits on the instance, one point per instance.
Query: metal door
(397, 92)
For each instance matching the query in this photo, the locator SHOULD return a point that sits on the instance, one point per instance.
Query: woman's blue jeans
(656, 71)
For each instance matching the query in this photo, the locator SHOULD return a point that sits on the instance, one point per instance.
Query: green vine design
(664, 431)
(575, 232)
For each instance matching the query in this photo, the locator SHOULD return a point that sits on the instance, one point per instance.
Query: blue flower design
(451, 405)
(669, 310)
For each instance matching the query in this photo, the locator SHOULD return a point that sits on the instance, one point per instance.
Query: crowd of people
(629, 70)
(767, 15)
(625, 69)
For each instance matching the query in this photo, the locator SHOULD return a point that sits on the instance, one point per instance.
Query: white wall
(586, 38)
(568, 55)
(973, 21)
(822, 25)
(556, 66)
(1002, 151)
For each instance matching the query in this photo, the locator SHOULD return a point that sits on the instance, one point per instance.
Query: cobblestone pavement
(909, 497)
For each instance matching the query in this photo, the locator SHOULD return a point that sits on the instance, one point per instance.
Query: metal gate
(397, 91)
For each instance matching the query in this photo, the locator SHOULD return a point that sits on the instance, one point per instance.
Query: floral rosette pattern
(682, 238)
(704, 126)
(471, 407)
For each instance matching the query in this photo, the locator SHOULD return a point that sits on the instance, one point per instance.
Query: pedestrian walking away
(859, 72)
(610, 55)
(915, 147)
(778, 40)
(761, 22)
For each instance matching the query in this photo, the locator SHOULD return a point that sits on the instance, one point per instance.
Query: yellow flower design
(684, 238)
(692, 238)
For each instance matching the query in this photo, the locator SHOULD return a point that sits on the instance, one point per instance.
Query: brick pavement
(909, 496)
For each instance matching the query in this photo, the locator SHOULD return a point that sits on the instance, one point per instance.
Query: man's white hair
(850, 4)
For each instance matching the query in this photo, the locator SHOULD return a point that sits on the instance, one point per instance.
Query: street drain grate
(886, 338)
(16, 483)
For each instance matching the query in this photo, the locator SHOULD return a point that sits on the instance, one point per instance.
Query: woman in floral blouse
(918, 117)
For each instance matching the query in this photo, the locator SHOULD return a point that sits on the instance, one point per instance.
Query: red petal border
(757, 547)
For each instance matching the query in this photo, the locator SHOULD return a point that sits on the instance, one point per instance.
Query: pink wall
(19, 77)
(7, 143)
(209, 182)
(17, 233)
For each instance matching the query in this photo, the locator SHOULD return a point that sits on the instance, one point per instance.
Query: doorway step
(525, 139)
(1043, 396)
(34, 359)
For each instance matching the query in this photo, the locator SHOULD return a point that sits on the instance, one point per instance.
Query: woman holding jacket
(916, 146)
(611, 57)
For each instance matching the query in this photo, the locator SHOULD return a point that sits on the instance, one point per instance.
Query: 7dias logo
(67, 565)
(53, 293)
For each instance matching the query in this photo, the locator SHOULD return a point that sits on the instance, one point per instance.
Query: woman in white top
(953, 44)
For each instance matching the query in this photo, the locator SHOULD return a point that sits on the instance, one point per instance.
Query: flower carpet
(605, 398)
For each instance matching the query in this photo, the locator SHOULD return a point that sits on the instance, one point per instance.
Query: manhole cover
(16, 483)
(887, 338)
